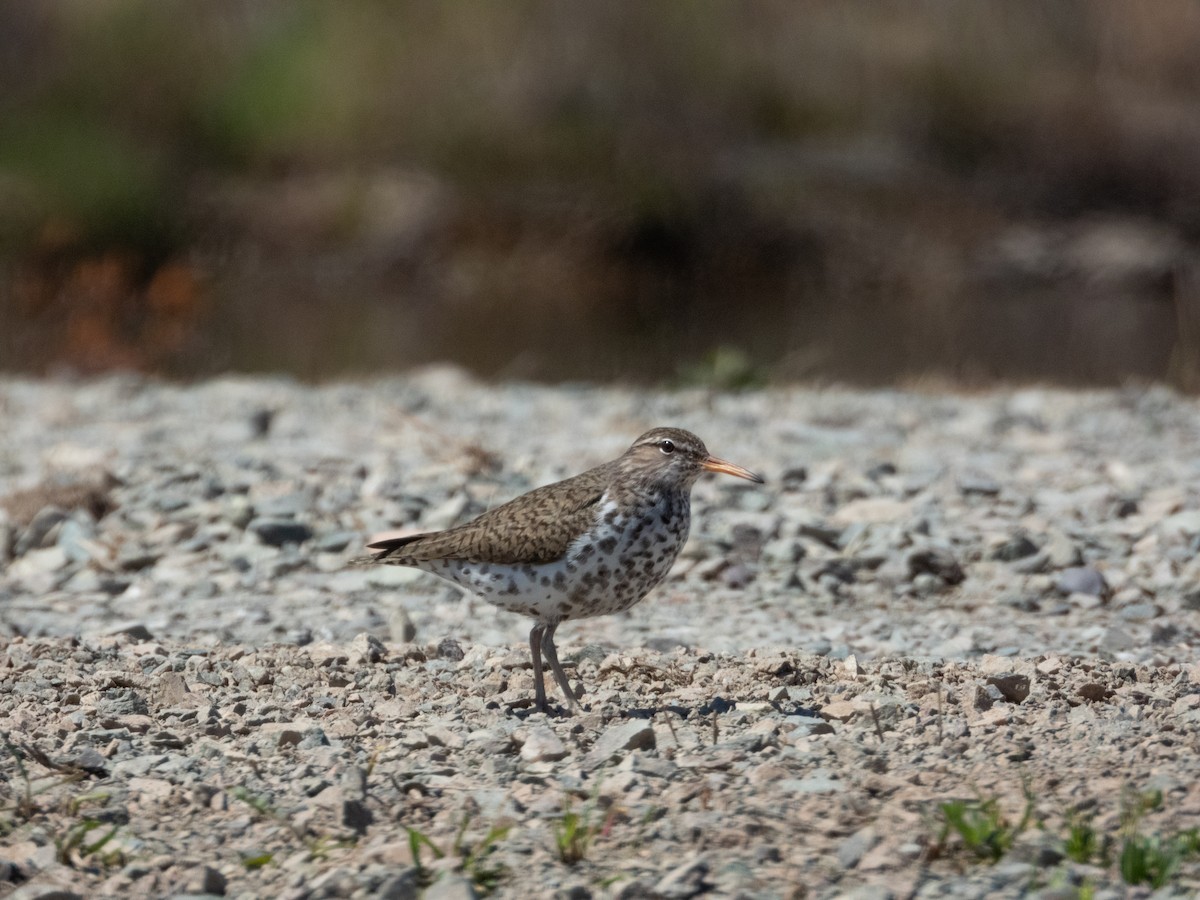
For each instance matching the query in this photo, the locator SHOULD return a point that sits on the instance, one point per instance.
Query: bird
(591, 545)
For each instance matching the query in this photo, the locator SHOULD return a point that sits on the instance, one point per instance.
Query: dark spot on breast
(608, 545)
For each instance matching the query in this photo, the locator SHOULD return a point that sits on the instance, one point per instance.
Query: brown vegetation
(615, 190)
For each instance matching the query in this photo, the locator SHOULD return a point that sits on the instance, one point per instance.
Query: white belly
(605, 571)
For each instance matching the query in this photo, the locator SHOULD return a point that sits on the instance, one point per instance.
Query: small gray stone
(285, 506)
(1117, 639)
(1082, 580)
(356, 816)
(313, 737)
(818, 781)
(807, 727)
(205, 880)
(134, 557)
(76, 539)
(89, 760)
(688, 879)
(635, 889)
(1061, 551)
(450, 886)
(1186, 523)
(542, 745)
(1164, 633)
(982, 485)
(400, 625)
(260, 421)
(853, 848)
(936, 561)
(41, 530)
(867, 892)
(288, 737)
(389, 576)
(782, 552)
(366, 649)
(40, 562)
(633, 735)
(985, 696)
(41, 891)
(441, 736)
(402, 886)
(1012, 685)
(1012, 872)
(279, 532)
(736, 576)
(136, 630)
(1015, 548)
(1031, 565)
(1139, 612)
(448, 514)
(335, 541)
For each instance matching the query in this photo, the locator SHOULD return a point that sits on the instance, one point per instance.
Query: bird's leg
(539, 683)
(559, 675)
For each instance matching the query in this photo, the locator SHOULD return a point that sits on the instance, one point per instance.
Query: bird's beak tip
(713, 464)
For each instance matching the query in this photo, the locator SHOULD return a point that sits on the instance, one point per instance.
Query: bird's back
(536, 527)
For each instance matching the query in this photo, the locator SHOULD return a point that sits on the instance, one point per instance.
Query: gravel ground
(936, 599)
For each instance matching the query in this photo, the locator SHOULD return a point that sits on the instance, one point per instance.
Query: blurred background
(666, 192)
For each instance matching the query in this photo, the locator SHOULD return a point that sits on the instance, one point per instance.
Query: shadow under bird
(591, 545)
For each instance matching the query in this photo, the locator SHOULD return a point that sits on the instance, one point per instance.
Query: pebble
(615, 739)
(1082, 580)
(1013, 686)
(279, 532)
(853, 848)
(1015, 548)
(450, 887)
(688, 879)
(206, 880)
(541, 744)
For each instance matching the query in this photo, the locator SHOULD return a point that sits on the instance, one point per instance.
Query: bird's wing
(537, 527)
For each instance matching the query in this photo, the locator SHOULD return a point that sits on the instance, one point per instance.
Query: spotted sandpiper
(591, 545)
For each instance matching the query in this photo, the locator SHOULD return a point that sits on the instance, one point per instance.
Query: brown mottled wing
(536, 527)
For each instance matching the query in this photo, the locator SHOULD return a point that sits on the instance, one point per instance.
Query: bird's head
(674, 455)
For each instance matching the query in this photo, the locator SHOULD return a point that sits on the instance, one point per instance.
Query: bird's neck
(651, 494)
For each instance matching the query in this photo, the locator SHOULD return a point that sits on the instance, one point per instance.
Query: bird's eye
(666, 446)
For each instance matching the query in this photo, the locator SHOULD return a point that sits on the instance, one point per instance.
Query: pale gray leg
(539, 683)
(559, 675)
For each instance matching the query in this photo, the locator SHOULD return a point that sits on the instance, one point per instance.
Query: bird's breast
(632, 530)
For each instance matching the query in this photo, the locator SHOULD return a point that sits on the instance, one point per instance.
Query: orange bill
(713, 464)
